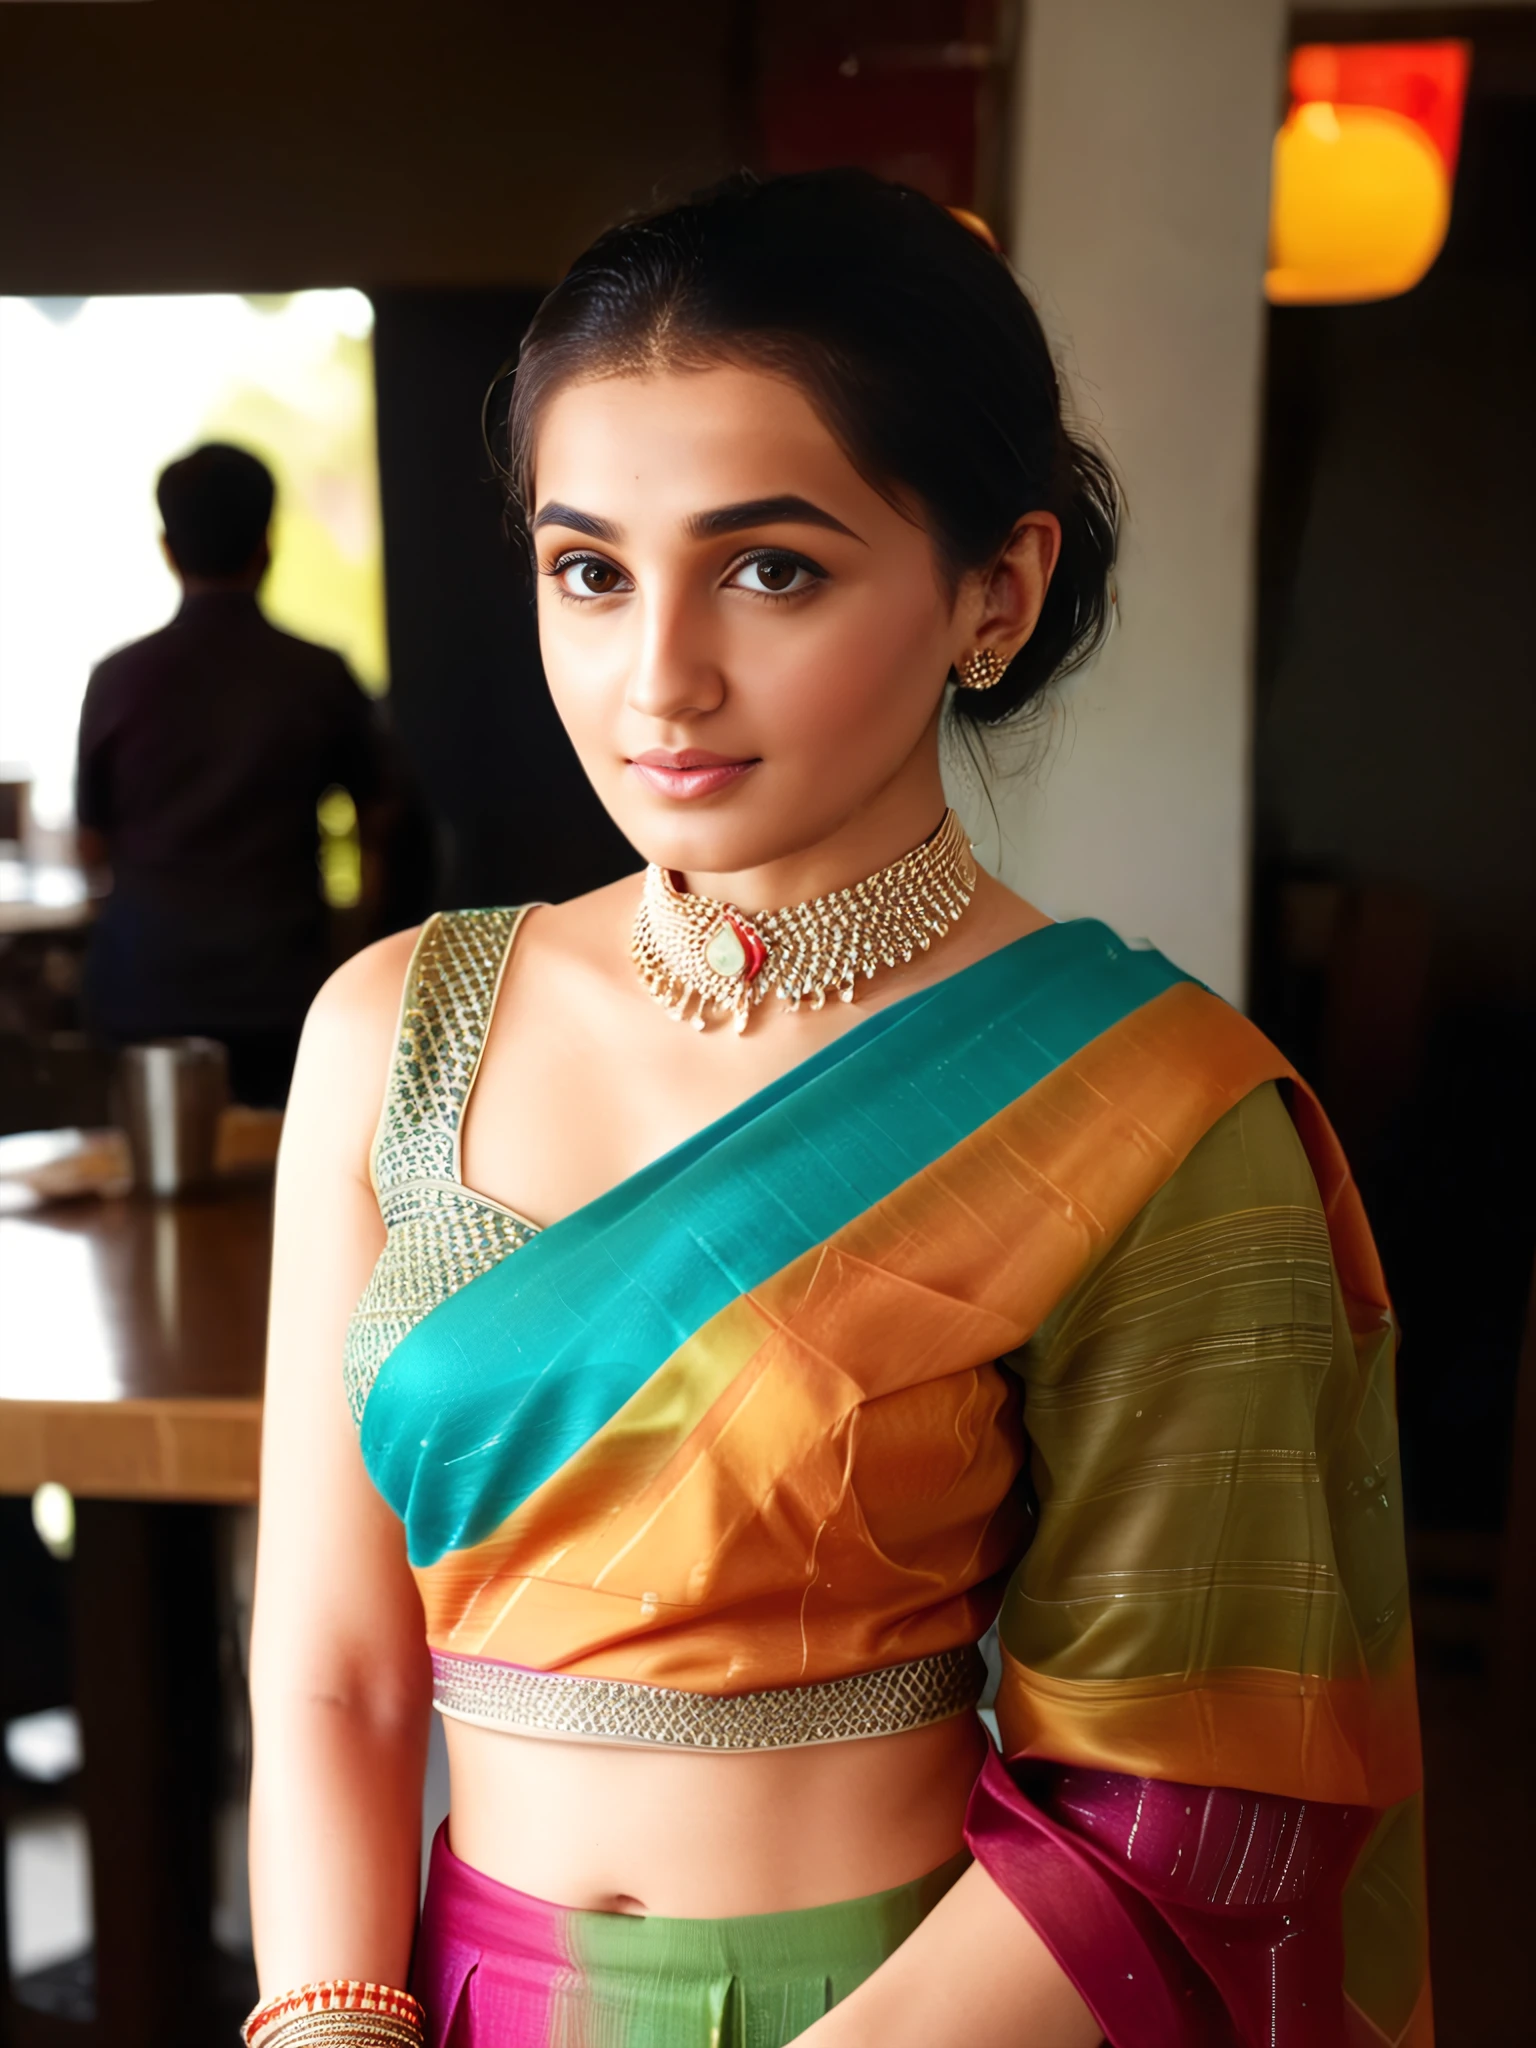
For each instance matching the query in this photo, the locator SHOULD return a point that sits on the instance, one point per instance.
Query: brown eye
(589, 576)
(776, 575)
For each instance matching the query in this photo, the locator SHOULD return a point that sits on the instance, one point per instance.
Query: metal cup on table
(172, 1092)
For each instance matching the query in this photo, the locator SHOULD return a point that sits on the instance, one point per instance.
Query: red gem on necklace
(733, 950)
(751, 945)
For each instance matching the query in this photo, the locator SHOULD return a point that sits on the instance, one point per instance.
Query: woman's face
(746, 642)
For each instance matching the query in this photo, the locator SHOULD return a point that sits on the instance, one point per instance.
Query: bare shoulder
(359, 1006)
(996, 918)
(345, 1053)
(586, 935)
(576, 922)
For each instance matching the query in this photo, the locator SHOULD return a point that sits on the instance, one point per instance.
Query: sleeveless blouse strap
(445, 1012)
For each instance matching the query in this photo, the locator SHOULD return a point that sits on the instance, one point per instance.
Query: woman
(710, 1391)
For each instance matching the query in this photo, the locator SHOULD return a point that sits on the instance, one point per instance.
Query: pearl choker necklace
(694, 952)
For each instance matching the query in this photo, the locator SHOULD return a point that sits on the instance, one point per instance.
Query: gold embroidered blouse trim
(697, 953)
(440, 1234)
(572, 1707)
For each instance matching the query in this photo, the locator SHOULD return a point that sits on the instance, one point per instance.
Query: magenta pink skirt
(496, 1968)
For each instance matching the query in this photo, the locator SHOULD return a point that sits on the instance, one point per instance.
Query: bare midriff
(703, 1835)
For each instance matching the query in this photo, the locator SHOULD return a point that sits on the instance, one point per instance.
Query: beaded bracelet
(345, 2011)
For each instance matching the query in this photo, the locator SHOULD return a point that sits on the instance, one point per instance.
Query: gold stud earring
(982, 670)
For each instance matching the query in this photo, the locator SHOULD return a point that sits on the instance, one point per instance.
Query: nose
(676, 673)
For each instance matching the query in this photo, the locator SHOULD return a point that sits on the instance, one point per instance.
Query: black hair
(216, 504)
(907, 332)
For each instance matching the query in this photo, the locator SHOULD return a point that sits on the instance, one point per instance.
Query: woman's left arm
(975, 1974)
(1168, 1915)
(1211, 1591)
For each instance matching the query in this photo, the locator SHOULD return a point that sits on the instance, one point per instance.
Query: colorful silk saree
(1030, 1299)
(495, 1968)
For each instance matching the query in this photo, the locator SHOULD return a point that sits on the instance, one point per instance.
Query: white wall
(1141, 198)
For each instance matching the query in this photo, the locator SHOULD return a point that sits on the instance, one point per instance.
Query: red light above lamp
(1364, 167)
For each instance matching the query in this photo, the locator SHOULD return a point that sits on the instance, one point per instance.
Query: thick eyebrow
(579, 522)
(788, 510)
(785, 510)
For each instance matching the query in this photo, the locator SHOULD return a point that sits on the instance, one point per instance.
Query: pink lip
(691, 773)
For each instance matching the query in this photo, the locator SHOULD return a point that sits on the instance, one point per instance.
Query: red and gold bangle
(335, 2027)
(344, 2010)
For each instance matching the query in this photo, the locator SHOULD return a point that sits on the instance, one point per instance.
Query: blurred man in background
(204, 750)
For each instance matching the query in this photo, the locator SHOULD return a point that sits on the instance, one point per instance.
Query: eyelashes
(590, 569)
(766, 562)
(778, 575)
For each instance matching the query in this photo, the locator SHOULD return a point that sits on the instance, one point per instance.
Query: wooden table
(131, 1338)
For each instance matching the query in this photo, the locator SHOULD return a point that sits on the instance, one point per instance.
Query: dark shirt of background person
(204, 750)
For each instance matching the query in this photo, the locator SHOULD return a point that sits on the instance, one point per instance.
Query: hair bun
(975, 225)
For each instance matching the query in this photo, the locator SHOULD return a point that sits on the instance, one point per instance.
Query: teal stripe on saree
(504, 1381)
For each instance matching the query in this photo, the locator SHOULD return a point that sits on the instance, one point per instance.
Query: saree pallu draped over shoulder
(1030, 1299)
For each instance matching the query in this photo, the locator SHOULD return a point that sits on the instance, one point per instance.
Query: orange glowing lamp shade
(1364, 169)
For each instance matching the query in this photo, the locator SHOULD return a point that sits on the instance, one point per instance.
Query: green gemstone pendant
(724, 952)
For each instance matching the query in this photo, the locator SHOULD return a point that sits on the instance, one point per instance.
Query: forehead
(685, 439)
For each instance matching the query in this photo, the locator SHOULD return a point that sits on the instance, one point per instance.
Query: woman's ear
(1013, 590)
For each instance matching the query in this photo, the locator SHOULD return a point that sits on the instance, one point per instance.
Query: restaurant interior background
(1304, 766)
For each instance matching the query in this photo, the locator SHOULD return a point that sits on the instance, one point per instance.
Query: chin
(722, 838)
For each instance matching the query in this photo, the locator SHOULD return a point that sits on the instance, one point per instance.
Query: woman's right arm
(340, 1676)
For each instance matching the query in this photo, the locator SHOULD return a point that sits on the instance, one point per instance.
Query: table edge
(153, 1447)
